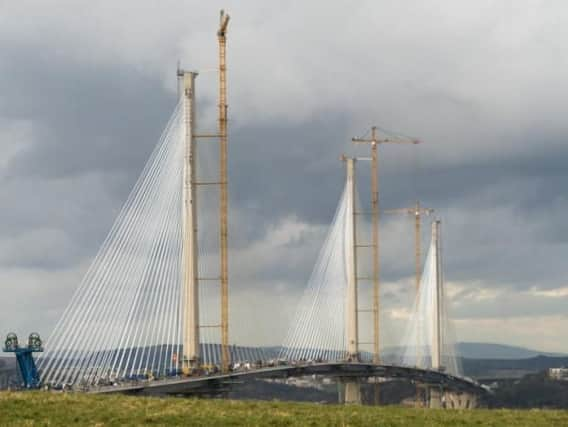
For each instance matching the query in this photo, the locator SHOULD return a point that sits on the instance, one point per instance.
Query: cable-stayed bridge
(151, 313)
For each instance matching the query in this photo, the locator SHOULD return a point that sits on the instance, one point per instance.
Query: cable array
(318, 330)
(417, 344)
(124, 321)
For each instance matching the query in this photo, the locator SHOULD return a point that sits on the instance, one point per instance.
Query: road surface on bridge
(188, 385)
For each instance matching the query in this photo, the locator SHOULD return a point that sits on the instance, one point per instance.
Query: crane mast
(224, 198)
(418, 212)
(374, 141)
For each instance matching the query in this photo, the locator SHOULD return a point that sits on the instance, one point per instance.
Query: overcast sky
(86, 88)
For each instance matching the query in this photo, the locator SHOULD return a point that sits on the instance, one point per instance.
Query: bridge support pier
(461, 400)
(352, 392)
(376, 394)
(440, 398)
(436, 399)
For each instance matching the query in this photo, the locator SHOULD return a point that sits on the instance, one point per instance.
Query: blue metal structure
(24, 356)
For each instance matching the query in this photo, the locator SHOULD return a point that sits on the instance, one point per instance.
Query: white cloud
(549, 293)
(450, 73)
(15, 137)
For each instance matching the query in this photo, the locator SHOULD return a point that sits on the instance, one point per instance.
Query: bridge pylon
(351, 312)
(352, 392)
(437, 300)
(190, 283)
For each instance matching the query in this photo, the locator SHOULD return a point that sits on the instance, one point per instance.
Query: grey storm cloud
(86, 88)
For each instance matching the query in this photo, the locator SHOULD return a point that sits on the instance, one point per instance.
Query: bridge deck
(339, 369)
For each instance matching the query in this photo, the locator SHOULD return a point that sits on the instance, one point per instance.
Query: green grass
(38, 408)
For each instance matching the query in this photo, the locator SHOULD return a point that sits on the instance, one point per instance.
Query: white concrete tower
(351, 320)
(437, 300)
(191, 348)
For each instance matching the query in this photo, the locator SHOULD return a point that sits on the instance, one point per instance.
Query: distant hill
(481, 350)
(510, 368)
(477, 350)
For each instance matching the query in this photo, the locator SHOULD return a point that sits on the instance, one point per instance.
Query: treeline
(488, 367)
(9, 375)
(532, 391)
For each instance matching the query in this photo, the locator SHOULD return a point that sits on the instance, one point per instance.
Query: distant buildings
(560, 374)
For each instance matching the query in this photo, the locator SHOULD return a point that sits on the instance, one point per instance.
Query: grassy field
(75, 409)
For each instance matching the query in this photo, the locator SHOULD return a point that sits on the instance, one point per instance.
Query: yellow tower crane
(418, 212)
(224, 198)
(375, 141)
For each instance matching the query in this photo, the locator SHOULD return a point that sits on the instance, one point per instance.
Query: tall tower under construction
(191, 357)
(190, 287)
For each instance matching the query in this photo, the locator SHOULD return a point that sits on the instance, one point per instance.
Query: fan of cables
(124, 320)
